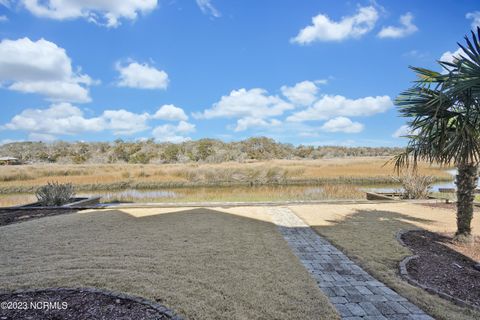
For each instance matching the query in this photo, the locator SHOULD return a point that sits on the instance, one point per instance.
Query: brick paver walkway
(354, 293)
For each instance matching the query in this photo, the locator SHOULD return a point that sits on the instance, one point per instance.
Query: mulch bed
(444, 265)
(9, 216)
(76, 304)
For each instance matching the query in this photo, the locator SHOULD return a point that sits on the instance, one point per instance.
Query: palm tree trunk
(466, 183)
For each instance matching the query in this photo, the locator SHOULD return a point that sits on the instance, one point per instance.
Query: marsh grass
(10, 200)
(215, 194)
(360, 171)
(138, 196)
(237, 194)
(274, 180)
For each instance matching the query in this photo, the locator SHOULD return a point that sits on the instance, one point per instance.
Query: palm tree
(445, 129)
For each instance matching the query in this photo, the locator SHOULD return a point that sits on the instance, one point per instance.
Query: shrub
(55, 194)
(139, 157)
(416, 186)
(170, 153)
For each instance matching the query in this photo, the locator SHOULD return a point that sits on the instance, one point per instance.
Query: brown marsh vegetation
(336, 178)
(361, 171)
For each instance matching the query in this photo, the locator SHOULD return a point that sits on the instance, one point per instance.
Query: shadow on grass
(220, 264)
(372, 234)
(370, 238)
(203, 263)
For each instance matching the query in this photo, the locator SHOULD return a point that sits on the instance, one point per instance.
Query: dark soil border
(18, 215)
(76, 202)
(406, 276)
(164, 311)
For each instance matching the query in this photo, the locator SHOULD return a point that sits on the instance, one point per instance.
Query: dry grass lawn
(204, 264)
(366, 233)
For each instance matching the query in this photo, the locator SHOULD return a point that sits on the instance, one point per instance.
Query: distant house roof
(8, 159)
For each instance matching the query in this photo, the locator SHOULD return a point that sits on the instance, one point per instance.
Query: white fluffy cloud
(324, 29)
(342, 124)
(242, 103)
(332, 106)
(170, 112)
(123, 122)
(302, 93)
(252, 108)
(475, 16)
(451, 57)
(403, 131)
(55, 90)
(141, 76)
(207, 7)
(257, 110)
(66, 119)
(41, 67)
(172, 133)
(407, 28)
(47, 124)
(58, 119)
(103, 12)
(249, 122)
(3, 18)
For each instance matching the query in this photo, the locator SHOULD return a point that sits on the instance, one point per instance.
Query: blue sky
(316, 72)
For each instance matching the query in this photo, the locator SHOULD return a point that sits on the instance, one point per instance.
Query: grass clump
(416, 186)
(55, 194)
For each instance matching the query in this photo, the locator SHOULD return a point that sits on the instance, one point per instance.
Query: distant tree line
(204, 150)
